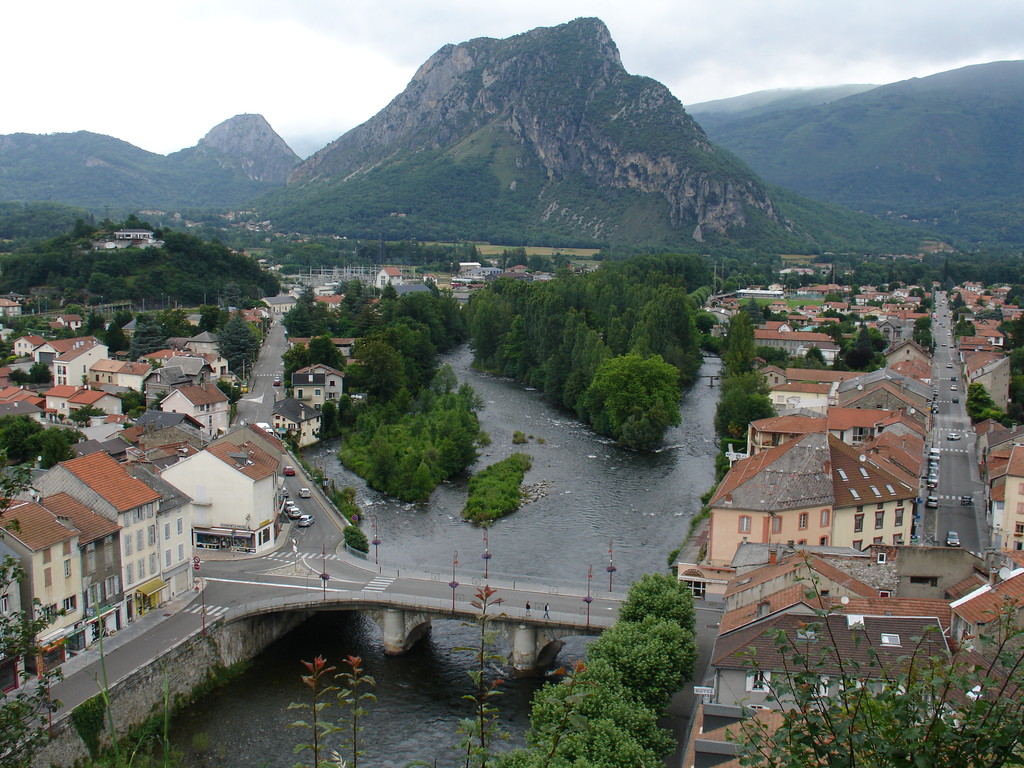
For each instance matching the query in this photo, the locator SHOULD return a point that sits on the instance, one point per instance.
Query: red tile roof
(111, 481)
(984, 604)
(34, 526)
(91, 525)
(202, 395)
(257, 463)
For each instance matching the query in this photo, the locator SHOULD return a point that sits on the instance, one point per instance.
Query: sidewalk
(137, 628)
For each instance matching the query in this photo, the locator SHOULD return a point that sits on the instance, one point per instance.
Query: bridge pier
(401, 630)
(532, 649)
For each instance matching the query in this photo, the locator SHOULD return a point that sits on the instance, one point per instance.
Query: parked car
(966, 501)
(305, 521)
(289, 471)
(956, 399)
(932, 502)
(952, 539)
(304, 493)
(294, 513)
(284, 493)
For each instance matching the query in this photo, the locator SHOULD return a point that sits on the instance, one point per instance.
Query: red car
(289, 471)
(277, 381)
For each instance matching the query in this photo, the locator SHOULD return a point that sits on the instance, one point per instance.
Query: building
(47, 547)
(105, 486)
(388, 276)
(206, 404)
(316, 384)
(992, 371)
(234, 492)
(70, 363)
(810, 490)
(297, 420)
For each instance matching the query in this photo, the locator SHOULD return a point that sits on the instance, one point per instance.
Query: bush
(494, 492)
(356, 539)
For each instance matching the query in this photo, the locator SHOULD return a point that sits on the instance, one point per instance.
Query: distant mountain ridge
(237, 160)
(947, 149)
(545, 132)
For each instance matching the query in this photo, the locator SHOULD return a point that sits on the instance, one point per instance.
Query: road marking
(211, 610)
(379, 584)
(281, 586)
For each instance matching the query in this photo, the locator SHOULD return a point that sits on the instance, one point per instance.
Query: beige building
(205, 403)
(812, 490)
(992, 371)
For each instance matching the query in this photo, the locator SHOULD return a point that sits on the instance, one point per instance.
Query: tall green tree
(238, 344)
(148, 337)
(634, 399)
(739, 349)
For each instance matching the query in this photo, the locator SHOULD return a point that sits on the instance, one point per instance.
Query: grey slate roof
(163, 419)
(887, 374)
(170, 497)
(295, 410)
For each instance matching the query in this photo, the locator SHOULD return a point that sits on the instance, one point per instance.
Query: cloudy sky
(161, 73)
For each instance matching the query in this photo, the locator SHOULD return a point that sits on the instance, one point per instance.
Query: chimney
(993, 576)
(773, 554)
(763, 608)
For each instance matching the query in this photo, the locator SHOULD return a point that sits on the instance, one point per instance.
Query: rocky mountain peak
(248, 143)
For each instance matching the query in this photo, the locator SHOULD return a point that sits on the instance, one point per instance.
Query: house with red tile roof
(47, 547)
(234, 490)
(205, 403)
(99, 482)
(979, 612)
(389, 276)
(24, 346)
(812, 490)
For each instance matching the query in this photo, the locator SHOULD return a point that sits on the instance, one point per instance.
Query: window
(128, 544)
(67, 547)
(141, 565)
(881, 558)
(876, 540)
(128, 574)
(897, 538)
(860, 508)
(67, 569)
(1019, 528)
(803, 521)
(899, 516)
(758, 680)
(150, 535)
(181, 525)
(90, 558)
(167, 531)
(744, 524)
(47, 577)
(47, 555)
(884, 593)
(879, 520)
(824, 518)
(823, 541)
(858, 523)
(776, 524)
(69, 603)
(888, 639)
(698, 588)
(167, 558)
(929, 581)
(152, 563)
(181, 552)
(112, 585)
(139, 540)
(5, 604)
(857, 543)
(802, 542)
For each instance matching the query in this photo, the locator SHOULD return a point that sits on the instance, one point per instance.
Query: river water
(593, 496)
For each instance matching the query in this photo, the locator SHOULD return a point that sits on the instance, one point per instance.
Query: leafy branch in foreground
(481, 730)
(318, 727)
(925, 705)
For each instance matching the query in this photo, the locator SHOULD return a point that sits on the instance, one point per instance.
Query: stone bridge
(533, 640)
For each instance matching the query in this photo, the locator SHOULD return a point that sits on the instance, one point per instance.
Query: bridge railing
(317, 599)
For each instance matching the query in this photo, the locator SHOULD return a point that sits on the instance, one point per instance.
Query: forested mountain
(237, 160)
(539, 136)
(947, 149)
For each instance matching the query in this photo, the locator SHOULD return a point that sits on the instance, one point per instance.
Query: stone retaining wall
(183, 667)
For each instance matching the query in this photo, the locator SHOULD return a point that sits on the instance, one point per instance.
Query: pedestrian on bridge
(547, 607)
(527, 609)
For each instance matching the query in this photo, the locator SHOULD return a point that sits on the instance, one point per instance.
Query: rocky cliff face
(560, 96)
(248, 144)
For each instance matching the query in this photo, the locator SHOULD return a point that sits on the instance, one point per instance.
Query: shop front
(233, 539)
(147, 596)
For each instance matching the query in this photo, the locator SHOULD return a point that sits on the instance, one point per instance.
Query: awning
(151, 587)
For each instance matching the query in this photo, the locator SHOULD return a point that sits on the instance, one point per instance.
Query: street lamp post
(588, 599)
(486, 555)
(611, 565)
(453, 583)
(324, 576)
(375, 542)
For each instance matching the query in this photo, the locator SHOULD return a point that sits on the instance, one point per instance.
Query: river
(594, 496)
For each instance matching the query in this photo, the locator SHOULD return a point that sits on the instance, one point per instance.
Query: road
(258, 404)
(958, 466)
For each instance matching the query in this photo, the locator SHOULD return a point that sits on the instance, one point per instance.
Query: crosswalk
(212, 611)
(289, 557)
(379, 584)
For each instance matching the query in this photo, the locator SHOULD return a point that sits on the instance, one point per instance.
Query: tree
(211, 318)
(634, 399)
(322, 350)
(147, 338)
(23, 712)
(739, 345)
(980, 405)
(116, 339)
(238, 344)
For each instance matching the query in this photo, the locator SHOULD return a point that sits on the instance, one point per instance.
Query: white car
(305, 521)
(304, 493)
(953, 436)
